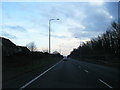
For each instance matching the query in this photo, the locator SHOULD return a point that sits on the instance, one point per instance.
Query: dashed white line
(105, 83)
(85, 70)
(37, 77)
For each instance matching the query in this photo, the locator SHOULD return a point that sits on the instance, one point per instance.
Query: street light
(49, 31)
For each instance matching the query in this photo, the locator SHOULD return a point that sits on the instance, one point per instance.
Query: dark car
(65, 59)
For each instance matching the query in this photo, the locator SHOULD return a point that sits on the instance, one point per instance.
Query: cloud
(56, 36)
(8, 35)
(81, 20)
(17, 27)
(89, 20)
(83, 34)
(75, 23)
(97, 2)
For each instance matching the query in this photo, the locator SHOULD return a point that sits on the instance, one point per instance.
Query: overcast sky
(24, 22)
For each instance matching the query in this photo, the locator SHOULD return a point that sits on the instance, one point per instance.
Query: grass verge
(100, 62)
(11, 72)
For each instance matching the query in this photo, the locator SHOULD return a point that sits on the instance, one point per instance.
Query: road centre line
(105, 83)
(38, 76)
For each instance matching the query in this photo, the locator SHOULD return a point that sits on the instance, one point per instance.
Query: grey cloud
(112, 7)
(55, 36)
(86, 35)
(8, 35)
(96, 21)
(81, 34)
(52, 35)
(17, 27)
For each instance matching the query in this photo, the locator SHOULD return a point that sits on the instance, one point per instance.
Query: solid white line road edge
(38, 76)
(105, 83)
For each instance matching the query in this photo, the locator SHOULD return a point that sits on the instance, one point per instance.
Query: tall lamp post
(49, 32)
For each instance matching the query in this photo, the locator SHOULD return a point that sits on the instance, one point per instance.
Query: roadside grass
(12, 72)
(115, 64)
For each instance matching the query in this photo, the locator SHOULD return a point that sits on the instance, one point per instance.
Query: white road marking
(105, 83)
(85, 70)
(37, 77)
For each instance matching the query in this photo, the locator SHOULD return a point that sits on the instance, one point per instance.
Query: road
(75, 74)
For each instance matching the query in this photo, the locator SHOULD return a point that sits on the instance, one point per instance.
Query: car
(65, 59)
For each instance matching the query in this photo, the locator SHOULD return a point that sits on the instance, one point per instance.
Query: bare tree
(56, 52)
(104, 46)
(31, 46)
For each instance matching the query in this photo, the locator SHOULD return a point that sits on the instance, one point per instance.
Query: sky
(25, 22)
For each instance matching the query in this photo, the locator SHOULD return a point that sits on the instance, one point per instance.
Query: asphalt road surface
(75, 74)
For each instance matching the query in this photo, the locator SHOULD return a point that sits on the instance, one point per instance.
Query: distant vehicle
(65, 58)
